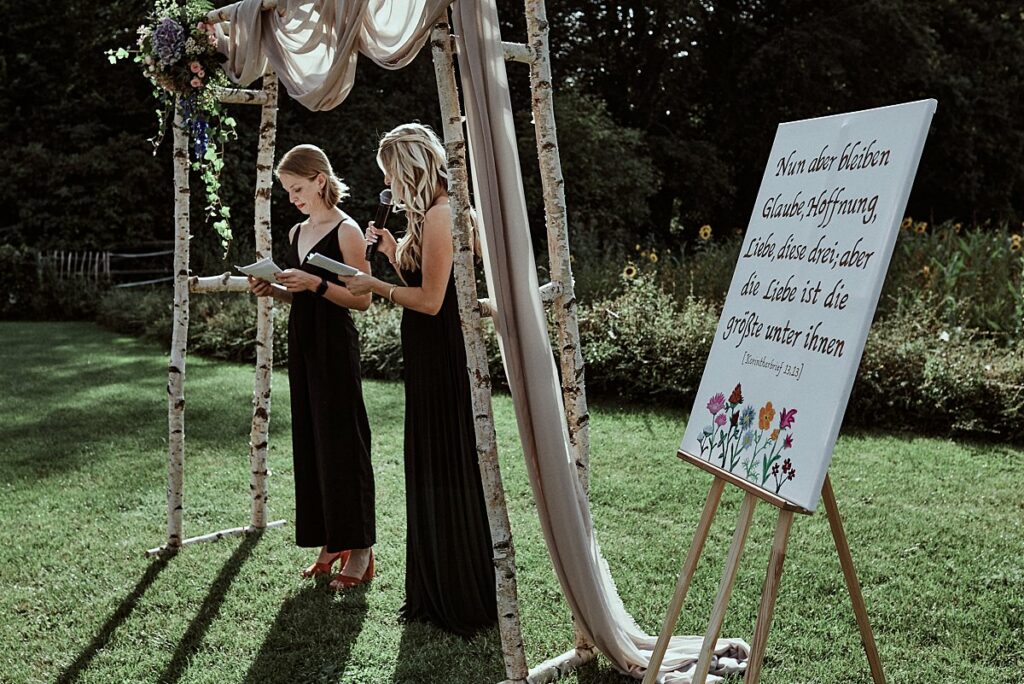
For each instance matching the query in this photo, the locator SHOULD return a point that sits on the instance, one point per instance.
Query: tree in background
(707, 83)
(666, 111)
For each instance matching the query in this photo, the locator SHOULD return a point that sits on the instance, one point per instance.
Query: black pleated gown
(334, 492)
(449, 578)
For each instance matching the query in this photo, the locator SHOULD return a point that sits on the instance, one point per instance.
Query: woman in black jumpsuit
(334, 493)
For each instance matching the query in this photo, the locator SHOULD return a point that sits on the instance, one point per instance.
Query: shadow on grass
(115, 620)
(311, 638)
(193, 637)
(427, 654)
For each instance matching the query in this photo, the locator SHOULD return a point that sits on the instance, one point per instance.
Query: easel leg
(700, 536)
(732, 564)
(768, 594)
(852, 584)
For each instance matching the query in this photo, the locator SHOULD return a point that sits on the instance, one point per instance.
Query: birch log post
(569, 354)
(264, 308)
(476, 356)
(179, 339)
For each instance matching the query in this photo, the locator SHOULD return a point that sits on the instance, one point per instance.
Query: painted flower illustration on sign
(753, 451)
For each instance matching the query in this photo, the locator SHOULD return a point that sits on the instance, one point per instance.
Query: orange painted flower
(765, 416)
(775, 434)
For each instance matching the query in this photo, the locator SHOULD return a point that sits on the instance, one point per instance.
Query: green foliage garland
(177, 50)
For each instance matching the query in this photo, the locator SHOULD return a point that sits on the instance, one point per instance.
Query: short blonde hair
(309, 161)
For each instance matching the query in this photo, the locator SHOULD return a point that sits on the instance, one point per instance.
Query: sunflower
(705, 232)
(1015, 243)
(629, 272)
(653, 257)
(907, 223)
(921, 227)
(957, 227)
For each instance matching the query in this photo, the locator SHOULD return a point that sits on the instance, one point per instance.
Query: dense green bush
(974, 278)
(380, 341)
(221, 326)
(917, 373)
(34, 292)
(643, 344)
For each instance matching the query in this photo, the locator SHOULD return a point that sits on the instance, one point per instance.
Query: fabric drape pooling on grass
(313, 48)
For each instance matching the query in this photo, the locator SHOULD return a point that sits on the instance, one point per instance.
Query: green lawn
(936, 530)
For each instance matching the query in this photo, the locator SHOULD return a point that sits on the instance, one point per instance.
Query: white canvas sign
(802, 297)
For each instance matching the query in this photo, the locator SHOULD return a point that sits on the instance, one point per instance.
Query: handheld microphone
(383, 211)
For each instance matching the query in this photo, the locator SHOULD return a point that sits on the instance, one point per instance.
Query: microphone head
(385, 196)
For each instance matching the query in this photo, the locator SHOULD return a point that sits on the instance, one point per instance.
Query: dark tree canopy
(666, 110)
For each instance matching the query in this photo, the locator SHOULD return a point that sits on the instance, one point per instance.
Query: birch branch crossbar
(558, 294)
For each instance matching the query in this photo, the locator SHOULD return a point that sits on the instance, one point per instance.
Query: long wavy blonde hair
(413, 156)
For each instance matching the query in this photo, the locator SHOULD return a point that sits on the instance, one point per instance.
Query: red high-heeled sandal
(342, 582)
(317, 569)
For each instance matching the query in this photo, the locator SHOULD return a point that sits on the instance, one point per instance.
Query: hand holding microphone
(378, 224)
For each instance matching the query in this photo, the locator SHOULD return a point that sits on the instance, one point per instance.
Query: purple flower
(786, 418)
(788, 443)
(717, 403)
(734, 419)
(168, 40)
(720, 419)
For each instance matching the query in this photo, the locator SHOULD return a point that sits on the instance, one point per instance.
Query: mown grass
(935, 525)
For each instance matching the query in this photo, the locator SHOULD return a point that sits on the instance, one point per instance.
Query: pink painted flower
(786, 418)
(717, 403)
(720, 419)
(788, 442)
(197, 82)
(201, 74)
(195, 67)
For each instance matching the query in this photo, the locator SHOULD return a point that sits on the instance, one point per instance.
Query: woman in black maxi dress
(449, 578)
(334, 488)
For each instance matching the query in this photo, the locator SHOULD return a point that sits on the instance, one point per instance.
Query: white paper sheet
(264, 268)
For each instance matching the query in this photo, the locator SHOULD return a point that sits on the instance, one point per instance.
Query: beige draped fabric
(313, 48)
(529, 364)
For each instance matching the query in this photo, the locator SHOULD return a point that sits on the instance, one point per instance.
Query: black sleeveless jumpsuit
(334, 492)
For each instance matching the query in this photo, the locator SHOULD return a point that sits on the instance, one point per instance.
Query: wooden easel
(770, 589)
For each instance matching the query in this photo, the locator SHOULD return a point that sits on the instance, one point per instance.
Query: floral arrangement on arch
(748, 441)
(177, 50)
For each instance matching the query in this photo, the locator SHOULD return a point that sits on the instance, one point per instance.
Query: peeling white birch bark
(258, 436)
(569, 353)
(179, 339)
(476, 357)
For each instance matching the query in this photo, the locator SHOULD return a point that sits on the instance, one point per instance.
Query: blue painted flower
(748, 436)
(708, 430)
(747, 417)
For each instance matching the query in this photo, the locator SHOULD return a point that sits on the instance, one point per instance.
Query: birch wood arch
(557, 294)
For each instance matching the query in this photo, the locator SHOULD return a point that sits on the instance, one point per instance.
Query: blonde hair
(412, 155)
(309, 161)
